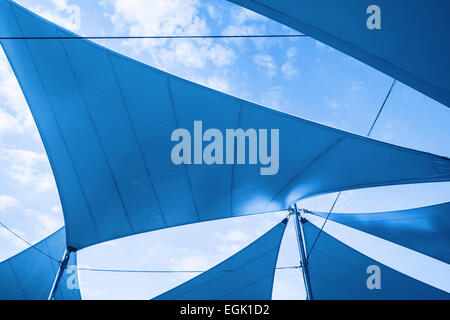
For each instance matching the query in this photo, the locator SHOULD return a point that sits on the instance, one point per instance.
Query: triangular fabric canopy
(339, 272)
(106, 122)
(247, 275)
(426, 229)
(412, 44)
(30, 274)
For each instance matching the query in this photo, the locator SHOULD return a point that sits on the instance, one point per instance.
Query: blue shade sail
(30, 274)
(247, 275)
(106, 122)
(412, 44)
(339, 272)
(426, 229)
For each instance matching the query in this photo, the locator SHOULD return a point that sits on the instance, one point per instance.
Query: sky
(300, 76)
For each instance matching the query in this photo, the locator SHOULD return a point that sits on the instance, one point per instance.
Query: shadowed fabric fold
(411, 45)
(337, 271)
(247, 275)
(30, 274)
(426, 229)
(106, 123)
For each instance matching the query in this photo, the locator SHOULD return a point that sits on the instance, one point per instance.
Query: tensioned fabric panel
(412, 45)
(246, 275)
(339, 272)
(106, 123)
(30, 274)
(426, 229)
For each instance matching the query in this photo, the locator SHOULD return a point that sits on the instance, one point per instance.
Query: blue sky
(300, 76)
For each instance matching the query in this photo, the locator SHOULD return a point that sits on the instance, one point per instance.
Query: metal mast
(298, 220)
(62, 268)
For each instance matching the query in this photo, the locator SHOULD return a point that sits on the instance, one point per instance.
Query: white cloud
(44, 182)
(320, 45)
(265, 64)
(7, 202)
(273, 97)
(27, 168)
(232, 241)
(220, 55)
(15, 116)
(228, 249)
(356, 86)
(243, 15)
(57, 209)
(169, 17)
(331, 103)
(288, 69)
(8, 123)
(47, 223)
(61, 13)
(191, 262)
(246, 22)
(216, 13)
(213, 82)
(235, 236)
(194, 261)
(291, 52)
(13, 239)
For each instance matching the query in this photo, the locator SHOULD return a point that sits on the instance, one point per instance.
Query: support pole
(301, 248)
(61, 269)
